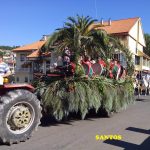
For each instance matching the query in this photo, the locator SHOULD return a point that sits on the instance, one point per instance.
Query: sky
(26, 21)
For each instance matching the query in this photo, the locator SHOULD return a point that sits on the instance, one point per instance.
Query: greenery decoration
(79, 95)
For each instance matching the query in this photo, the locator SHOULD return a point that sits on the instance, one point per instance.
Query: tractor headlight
(5, 80)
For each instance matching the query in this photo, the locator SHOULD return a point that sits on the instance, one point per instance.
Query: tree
(8, 47)
(1, 53)
(78, 35)
(147, 40)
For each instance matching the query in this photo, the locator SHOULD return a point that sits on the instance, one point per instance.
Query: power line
(95, 9)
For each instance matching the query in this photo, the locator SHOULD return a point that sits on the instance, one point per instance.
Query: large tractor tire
(20, 115)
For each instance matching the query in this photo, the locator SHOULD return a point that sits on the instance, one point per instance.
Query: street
(133, 124)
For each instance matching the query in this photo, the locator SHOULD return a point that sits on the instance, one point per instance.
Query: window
(22, 57)
(116, 56)
(38, 67)
(17, 79)
(47, 66)
(144, 62)
(26, 79)
(123, 60)
(137, 60)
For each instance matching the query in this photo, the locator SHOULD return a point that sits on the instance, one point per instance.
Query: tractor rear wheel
(20, 114)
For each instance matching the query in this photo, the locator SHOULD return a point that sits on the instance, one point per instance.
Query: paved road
(133, 124)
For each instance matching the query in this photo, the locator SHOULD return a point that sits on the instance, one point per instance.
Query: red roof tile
(36, 54)
(29, 47)
(117, 26)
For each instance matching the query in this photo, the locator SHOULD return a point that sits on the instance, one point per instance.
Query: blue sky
(25, 21)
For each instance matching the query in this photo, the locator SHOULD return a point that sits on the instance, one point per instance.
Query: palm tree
(78, 35)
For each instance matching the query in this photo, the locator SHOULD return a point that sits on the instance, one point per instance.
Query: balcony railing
(29, 70)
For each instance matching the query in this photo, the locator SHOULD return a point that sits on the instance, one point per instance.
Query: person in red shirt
(119, 70)
(72, 67)
(112, 63)
(88, 63)
(116, 69)
(103, 66)
(102, 62)
(123, 74)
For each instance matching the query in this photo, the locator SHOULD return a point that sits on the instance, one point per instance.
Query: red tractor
(20, 112)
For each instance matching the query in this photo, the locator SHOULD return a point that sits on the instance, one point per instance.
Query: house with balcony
(131, 34)
(24, 66)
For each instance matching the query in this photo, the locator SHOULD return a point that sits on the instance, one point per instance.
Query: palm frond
(81, 95)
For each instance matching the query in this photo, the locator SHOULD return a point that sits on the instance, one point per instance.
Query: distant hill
(8, 47)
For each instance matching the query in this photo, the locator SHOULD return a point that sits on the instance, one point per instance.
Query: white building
(24, 67)
(130, 32)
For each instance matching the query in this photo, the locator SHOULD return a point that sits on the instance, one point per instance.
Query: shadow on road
(131, 146)
(138, 130)
(143, 98)
(48, 120)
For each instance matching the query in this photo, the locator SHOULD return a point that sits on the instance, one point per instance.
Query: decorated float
(84, 74)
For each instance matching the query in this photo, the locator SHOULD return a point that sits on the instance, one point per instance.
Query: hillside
(7, 47)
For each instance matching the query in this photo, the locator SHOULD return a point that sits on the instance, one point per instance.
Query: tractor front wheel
(20, 114)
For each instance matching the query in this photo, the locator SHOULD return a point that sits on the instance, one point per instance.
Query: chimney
(44, 37)
(109, 22)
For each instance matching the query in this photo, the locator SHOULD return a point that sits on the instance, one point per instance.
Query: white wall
(141, 35)
(18, 61)
(133, 32)
(132, 45)
(22, 73)
(137, 33)
(140, 47)
(22, 76)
